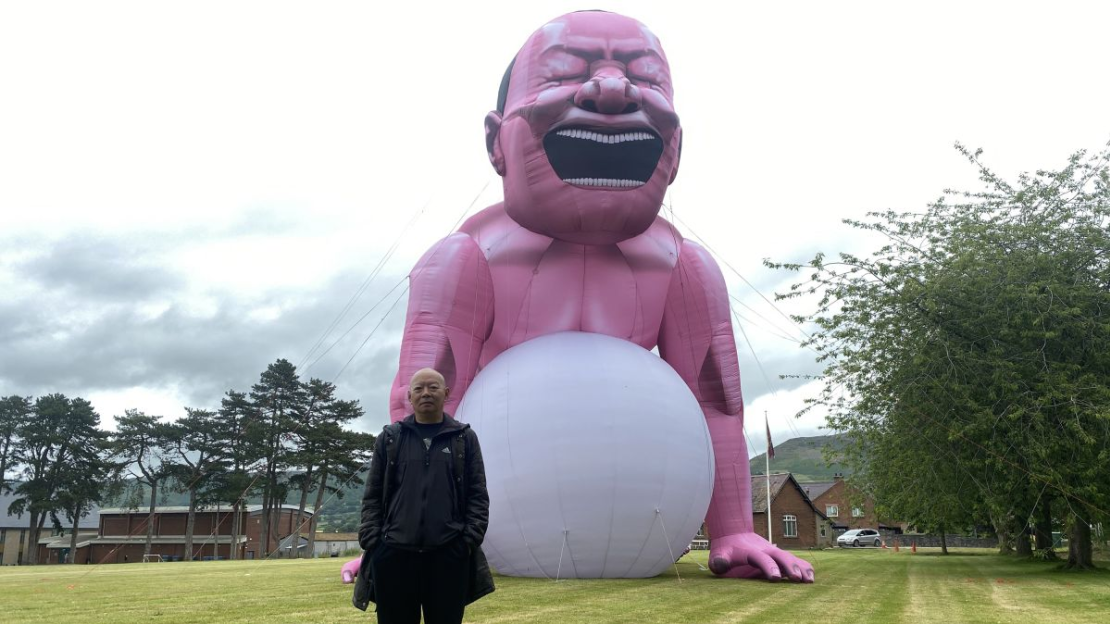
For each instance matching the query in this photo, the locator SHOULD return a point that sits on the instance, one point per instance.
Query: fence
(954, 541)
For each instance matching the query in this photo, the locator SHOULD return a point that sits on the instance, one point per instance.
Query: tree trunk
(150, 517)
(73, 535)
(235, 529)
(943, 541)
(275, 527)
(1043, 528)
(1022, 546)
(1079, 546)
(265, 519)
(1002, 530)
(316, 510)
(31, 553)
(190, 524)
(300, 512)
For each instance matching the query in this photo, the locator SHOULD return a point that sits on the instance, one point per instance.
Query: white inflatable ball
(598, 459)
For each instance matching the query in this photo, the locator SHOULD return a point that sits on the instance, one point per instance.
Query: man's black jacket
(424, 509)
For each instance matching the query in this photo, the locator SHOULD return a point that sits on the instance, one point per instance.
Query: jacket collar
(449, 424)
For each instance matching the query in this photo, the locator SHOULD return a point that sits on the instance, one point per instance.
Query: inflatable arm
(449, 317)
(696, 339)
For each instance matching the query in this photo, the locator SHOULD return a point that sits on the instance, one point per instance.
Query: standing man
(425, 511)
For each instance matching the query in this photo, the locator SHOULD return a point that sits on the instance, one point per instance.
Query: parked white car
(860, 537)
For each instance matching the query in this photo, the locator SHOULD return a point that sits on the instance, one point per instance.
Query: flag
(770, 447)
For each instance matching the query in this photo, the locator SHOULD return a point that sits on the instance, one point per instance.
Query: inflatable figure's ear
(493, 146)
(678, 158)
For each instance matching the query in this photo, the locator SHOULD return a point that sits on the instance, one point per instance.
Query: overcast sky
(191, 190)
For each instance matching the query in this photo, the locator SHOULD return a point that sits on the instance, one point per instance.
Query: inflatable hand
(350, 570)
(747, 555)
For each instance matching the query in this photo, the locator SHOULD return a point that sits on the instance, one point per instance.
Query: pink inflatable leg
(350, 570)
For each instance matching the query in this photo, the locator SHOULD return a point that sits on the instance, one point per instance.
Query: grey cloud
(113, 346)
(99, 268)
(81, 332)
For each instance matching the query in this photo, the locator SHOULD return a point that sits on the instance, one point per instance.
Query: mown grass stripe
(852, 586)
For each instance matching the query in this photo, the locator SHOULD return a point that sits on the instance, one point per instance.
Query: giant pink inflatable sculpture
(587, 141)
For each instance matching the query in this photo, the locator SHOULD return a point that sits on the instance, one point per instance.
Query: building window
(789, 525)
(822, 530)
(832, 511)
(857, 512)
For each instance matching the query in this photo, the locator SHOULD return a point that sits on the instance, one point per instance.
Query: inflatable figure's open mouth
(610, 159)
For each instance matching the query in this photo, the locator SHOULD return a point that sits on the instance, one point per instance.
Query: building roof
(778, 482)
(12, 521)
(759, 489)
(177, 539)
(83, 539)
(337, 537)
(222, 508)
(814, 490)
(287, 542)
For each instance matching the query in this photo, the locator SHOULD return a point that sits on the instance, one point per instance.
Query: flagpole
(768, 472)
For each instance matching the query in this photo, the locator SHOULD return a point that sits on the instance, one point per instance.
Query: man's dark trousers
(406, 579)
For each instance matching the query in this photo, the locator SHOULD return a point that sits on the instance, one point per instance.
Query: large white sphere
(598, 459)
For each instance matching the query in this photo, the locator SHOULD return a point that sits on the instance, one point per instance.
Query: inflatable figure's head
(585, 135)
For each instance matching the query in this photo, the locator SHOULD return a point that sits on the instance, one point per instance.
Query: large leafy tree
(321, 443)
(344, 456)
(15, 411)
(86, 477)
(201, 460)
(59, 433)
(143, 446)
(973, 349)
(279, 400)
(233, 422)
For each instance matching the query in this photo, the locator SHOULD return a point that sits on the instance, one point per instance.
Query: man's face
(427, 393)
(589, 138)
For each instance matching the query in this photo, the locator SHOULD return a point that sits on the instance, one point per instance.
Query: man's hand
(747, 555)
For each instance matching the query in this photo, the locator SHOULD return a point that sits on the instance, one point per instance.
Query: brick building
(14, 534)
(846, 507)
(121, 535)
(795, 521)
(334, 544)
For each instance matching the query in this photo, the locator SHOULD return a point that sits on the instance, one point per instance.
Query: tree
(200, 461)
(980, 331)
(232, 422)
(86, 477)
(307, 442)
(59, 429)
(318, 435)
(143, 444)
(14, 413)
(279, 401)
(343, 456)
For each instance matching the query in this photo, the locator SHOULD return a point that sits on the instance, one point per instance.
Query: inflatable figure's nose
(608, 91)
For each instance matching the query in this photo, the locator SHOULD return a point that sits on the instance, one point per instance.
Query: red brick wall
(283, 527)
(789, 501)
(171, 523)
(845, 498)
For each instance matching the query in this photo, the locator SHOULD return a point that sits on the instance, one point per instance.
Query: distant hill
(802, 457)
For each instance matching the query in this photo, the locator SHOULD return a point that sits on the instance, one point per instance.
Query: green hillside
(802, 457)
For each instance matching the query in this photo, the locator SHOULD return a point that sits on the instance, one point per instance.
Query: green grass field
(852, 586)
